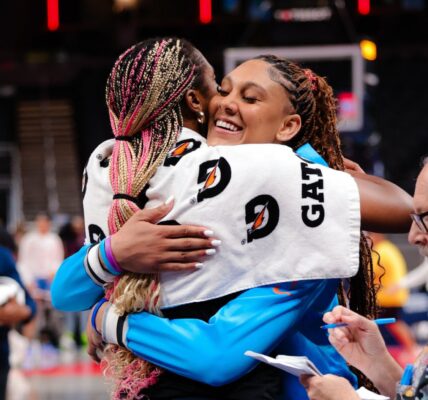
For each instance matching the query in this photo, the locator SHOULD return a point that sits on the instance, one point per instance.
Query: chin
(222, 140)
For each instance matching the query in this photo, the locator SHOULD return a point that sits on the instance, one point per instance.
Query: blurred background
(55, 56)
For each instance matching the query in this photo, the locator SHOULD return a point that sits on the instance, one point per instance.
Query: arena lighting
(123, 5)
(52, 8)
(368, 50)
(205, 11)
(364, 7)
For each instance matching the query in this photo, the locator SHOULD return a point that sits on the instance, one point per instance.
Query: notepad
(301, 365)
(295, 365)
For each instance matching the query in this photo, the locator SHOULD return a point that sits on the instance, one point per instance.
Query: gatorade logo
(215, 176)
(96, 234)
(313, 213)
(261, 217)
(181, 148)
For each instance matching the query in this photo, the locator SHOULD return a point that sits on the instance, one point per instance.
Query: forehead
(255, 71)
(420, 198)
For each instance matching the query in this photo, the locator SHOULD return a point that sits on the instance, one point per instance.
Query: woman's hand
(141, 246)
(352, 166)
(328, 387)
(361, 345)
(95, 340)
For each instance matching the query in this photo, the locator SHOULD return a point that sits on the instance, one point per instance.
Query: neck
(191, 124)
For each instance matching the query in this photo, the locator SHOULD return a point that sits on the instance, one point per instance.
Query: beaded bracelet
(95, 312)
(110, 256)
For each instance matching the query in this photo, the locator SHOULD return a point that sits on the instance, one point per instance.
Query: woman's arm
(73, 288)
(256, 320)
(139, 246)
(385, 207)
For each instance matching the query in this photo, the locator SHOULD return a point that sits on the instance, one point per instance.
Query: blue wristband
(95, 312)
(105, 259)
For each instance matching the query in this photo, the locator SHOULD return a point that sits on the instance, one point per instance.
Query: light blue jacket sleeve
(256, 320)
(72, 288)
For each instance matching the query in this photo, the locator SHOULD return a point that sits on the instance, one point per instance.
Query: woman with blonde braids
(253, 107)
(143, 95)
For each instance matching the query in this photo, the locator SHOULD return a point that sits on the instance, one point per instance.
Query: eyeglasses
(418, 219)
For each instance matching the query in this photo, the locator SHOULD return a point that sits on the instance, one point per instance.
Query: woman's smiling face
(251, 106)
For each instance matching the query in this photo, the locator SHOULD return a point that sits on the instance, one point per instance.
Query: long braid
(143, 97)
(313, 99)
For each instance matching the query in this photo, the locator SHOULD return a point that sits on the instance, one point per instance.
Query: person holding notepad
(360, 342)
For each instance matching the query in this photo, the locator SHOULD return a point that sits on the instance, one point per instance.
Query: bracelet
(110, 256)
(94, 314)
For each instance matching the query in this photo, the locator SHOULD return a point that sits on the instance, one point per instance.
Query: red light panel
(53, 15)
(364, 7)
(205, 11)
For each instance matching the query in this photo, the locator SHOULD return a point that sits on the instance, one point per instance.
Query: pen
(406, 379)
(379, 321)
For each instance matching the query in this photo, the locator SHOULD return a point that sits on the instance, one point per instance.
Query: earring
(201, 117)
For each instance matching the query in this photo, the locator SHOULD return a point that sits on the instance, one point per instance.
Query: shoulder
(101, 153)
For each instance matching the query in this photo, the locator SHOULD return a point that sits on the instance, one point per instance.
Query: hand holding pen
(361, 345)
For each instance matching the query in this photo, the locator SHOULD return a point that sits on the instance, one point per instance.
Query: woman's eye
(221, 91)
(250, 99)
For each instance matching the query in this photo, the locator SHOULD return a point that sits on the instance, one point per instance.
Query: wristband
(95, 312)
(110, 256)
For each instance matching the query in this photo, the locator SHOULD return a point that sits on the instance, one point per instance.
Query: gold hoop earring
(201, 117)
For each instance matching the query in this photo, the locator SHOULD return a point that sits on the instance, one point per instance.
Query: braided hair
(143, 95)
(313, 99)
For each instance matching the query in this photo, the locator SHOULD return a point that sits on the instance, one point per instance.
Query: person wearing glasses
(418, 235)
(360, 343)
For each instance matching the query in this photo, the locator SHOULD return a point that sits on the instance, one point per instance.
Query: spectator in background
(12, 310)
(72, 235)
(390, 268)
(39, 255)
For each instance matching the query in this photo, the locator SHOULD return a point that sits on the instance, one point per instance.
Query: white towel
(279, 218)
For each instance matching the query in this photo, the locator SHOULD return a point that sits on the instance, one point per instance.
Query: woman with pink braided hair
(144, 93)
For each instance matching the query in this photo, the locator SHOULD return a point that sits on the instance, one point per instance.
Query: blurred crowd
(32, 332)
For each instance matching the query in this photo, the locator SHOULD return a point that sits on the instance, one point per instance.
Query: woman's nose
(229, 104)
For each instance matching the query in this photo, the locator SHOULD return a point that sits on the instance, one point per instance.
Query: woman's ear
(193, 101)
(290, 127)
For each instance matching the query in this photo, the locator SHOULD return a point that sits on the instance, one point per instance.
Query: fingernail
(199, 265)
(208, 233)
(216, 242)
(210, 252)
(169, 200)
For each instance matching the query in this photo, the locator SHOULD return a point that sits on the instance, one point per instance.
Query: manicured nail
(216, 242)
(199, 265)
(208, 233)
(210, 252)
(169, 200)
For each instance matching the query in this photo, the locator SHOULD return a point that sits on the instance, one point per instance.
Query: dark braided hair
(312, 98)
